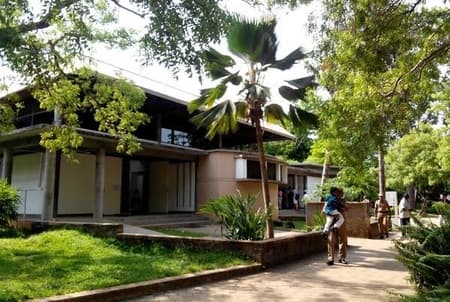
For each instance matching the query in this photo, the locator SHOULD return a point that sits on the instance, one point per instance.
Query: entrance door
(185, 187)
(135, 190)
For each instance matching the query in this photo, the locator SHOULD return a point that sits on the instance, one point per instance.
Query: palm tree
(255, 43)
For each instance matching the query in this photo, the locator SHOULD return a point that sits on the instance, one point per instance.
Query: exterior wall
(77, 185)
(356, 217)
(312, 184)
(27, 175)
(216, 176)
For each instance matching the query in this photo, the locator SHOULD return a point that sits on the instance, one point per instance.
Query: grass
(66, 261)
(299, 225)
(182, 233)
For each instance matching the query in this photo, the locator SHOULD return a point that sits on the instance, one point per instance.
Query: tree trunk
(381, 176)
(324, 170)
(264, 177)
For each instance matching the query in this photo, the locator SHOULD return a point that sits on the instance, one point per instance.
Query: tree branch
(44, 22)
(116, 2)
(441, 50)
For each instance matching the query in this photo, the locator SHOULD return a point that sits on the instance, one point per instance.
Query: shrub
(427, 257)
(9, 202)
(319, 221)
(238, 216)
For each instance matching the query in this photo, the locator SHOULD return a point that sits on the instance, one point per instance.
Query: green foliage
(296, 150)
(427, 256)
(115, 104)
(319, 221)
(414, 160)
(9, 202)
(255, 44)
(239, 217)
(68, 261)
(380, 62)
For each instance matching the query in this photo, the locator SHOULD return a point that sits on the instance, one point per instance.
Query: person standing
(383, 212)
(334, 218)
(340, 234)
(296, 199)
(280, 199)
(404, 213)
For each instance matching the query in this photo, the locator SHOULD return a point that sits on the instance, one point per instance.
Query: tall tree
(412, 160)
(253, 43)
(380, 61)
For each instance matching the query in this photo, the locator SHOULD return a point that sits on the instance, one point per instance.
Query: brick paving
(373, 272)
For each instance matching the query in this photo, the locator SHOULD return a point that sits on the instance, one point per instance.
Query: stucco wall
(217, 177)
(77, 185)
(356, 217)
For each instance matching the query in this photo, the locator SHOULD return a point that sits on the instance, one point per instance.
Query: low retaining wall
(267, 252)
(356, 217)
(96, 229)
(139, 289)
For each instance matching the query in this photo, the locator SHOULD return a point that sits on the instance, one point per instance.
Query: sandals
(343, 261)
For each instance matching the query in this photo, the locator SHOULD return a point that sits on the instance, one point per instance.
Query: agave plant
(255, 44)
(239, 217)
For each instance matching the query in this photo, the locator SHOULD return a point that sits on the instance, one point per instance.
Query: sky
(291, 32)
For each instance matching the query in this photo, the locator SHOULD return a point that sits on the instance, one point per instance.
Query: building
(177, 170)
(305, 178)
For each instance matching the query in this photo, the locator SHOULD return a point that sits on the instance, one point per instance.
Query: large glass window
(31, 114)
(176, 137)
(254, 172)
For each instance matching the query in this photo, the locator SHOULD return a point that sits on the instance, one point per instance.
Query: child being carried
(331, 209)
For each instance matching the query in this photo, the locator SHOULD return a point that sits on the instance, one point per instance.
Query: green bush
(319, 220)
(238, 216)
(9, 202)
(426, 254)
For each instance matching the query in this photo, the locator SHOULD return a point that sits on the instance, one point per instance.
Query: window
(176, 137)
(253, 170)
(31, 114)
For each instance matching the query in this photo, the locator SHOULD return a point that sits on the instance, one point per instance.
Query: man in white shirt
(404, 212)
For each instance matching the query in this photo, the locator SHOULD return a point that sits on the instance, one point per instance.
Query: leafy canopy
(380, 62)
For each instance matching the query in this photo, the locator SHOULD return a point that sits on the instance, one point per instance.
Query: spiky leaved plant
(255, 44)
(426, 254)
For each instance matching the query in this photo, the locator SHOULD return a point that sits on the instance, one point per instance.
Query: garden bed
(267, 252)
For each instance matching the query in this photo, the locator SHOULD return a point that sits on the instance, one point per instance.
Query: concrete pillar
(49, 185)
(6, 165)
(99, 183)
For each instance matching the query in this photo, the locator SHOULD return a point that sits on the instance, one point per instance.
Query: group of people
(335, 228)
(382, 212)
(288, 199)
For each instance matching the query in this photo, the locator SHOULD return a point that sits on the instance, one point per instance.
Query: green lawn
(66, 261)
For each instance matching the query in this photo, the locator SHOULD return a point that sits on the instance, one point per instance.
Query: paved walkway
(372, 273)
